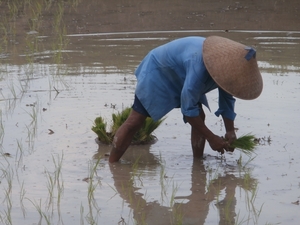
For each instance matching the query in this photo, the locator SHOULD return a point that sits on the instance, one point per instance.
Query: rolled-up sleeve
(226, 105)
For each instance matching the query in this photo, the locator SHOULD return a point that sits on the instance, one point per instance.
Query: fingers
(223, 148)
(229, 137)
(221, 151)
(221, 145)
(227, 147)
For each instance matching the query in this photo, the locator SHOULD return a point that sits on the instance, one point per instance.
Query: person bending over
(178, 75)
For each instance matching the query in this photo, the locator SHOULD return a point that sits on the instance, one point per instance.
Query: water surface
(49, 162)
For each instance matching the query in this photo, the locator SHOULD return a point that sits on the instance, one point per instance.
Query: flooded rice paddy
(53, 171)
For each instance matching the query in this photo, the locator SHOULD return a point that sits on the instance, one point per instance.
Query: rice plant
(19, 153)
(1, 130)
(136, 173)
(8, 175)
(22, 195)
(92, 187)
(245, 144)
(58, 177)
(144, 135)
(100, 129)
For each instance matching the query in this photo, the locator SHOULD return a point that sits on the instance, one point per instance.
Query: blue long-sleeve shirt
(174, 75)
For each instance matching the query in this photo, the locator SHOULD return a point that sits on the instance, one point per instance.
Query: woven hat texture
(228, 65)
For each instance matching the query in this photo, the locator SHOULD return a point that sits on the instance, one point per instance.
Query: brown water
(49, 176)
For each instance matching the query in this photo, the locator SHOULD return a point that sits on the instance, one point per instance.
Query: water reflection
(206, 193)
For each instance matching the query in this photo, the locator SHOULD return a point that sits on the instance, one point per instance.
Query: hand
(218, 144)
(230, 137)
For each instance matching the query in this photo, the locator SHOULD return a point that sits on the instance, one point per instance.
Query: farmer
(178, 75)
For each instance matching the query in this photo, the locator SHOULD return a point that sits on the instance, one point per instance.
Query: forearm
(216, 143)
(198, 124)
(230, 135)
(229, 124)
(115, 155)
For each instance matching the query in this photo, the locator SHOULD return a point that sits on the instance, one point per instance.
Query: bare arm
(216, 143)
(230, 135)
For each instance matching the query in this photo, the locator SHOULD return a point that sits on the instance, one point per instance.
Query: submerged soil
(54, 82)
(94, 16)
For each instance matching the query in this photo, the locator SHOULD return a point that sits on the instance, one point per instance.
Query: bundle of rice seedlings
(245, 144)
(100, 129)
(143, 136)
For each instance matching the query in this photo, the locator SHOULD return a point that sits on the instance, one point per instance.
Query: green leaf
(245, 143)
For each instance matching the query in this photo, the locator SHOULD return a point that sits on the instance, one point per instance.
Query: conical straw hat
(233, 67)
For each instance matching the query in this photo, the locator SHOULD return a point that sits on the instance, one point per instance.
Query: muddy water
(49, 171)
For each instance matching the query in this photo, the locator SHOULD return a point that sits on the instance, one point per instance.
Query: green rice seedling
(59, 29)
(254, 212)
(55, 185)
(4, 38)
(50, 188)
(1, 219)
(242, 166)
(22, 195)
(226, 213)
(13, 8)
(81, 214)
(32, 127)
(11, 87)
(38, 207)
(30, 139)
(47, 218)
(162, 179)
(175, 188)
(240, 221)
(8, 210)
(36, 11)
(118, 119)
(248, 182)
(8, 174)
(100, 129)
(114, 189)
(10, 104)
(31, 45)
(136, 174)
(23, 86)
(178, 215)
(91, 219)
(20, 153)
(60, 220)
(75, 3)
(250, 186)
(33, 115)
(92, 186)
(144, 135)
(1, 130)
(212, 177)
(245, 144)
(216, 185)
(57, 175)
